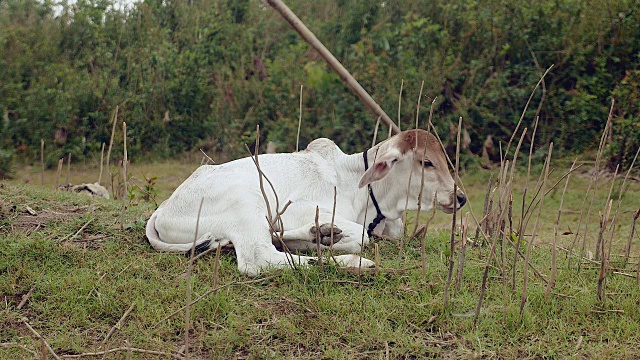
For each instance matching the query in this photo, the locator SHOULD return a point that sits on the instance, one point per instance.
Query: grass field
(80, 273)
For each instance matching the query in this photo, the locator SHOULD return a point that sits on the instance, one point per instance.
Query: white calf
(234, 209)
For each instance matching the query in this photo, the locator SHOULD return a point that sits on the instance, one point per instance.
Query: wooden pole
(308, 36)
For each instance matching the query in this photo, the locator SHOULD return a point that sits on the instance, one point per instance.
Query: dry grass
(82, 287)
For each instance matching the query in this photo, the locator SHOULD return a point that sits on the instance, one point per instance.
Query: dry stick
(187, 312)
(333, 218)
(60, 162)
(42, 162)
(535, 201)
(484, 211)
(113, 132)
(376, 251)
(554, 267)
(525, 109)
(435, 132)
(400, 105)
(117, 326)
(272, 221)
(483, 287)
(68, 167)
(499, 222)
(375, 132)
(505, 201)
(43, 350)
(523, 299)
(127, 349)
(318, 237)
(299, 121)
(25, 297)
(415, 228)
(508, 195)
(101, 164)
(601, 277)
(452, 247)
(544, 85)
(638, 269)
(406, 203)
(20, 346)
(615, 216)
(424, 152)
(213, 290)
(599, 245)
(594, 179)
(77, 232)
(209, 159)
(423, 246)
(423, 256)
(627, 249)
(216, 265)
(463, 252)
(257, 162)
(44, 342)
(124, 175)
(521, 228)
(504, 278)
(364, 227)
(312, 40)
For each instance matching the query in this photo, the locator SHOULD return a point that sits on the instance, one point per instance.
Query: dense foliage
(201, 74)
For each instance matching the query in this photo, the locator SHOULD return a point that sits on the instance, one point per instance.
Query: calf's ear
(380, 168)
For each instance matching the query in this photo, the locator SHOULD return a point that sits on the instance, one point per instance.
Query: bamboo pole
(310, 38)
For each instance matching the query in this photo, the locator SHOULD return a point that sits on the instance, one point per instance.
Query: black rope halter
(379, 217)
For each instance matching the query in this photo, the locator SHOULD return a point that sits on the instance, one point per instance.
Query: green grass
(83, 285)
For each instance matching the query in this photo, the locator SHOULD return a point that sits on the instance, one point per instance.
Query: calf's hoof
(324, 234)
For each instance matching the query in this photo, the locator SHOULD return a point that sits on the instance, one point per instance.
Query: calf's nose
(461, 199)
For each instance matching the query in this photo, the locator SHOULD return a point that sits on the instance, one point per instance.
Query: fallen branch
(46, 344)
(128, 349)
(207, 293)
(118, 324)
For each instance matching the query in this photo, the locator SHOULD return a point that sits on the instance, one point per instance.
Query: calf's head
(410, 153)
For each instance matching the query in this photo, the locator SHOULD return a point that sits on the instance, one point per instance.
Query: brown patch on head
(408, 139)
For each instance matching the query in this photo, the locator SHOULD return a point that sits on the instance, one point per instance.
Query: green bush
(626, 122)
(6, 164)
(186, 74)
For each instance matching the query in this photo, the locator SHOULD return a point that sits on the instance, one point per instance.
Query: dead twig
(299, 121)
(44, 342)
(20, 346)
(463, 252)
(523, 298)
(24, 299)
(452, 247)
(187, 312)
(124, 175)
(58, 173)
(119, 324)
(70, 236)
(594, 179)
(113, 132)
(68, 168)
(209, 159)
(120, 349)
(521, 226)
(101, 164)
(213, 290)
(552, 277)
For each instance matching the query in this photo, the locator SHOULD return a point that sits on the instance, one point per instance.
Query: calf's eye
(427, 164)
